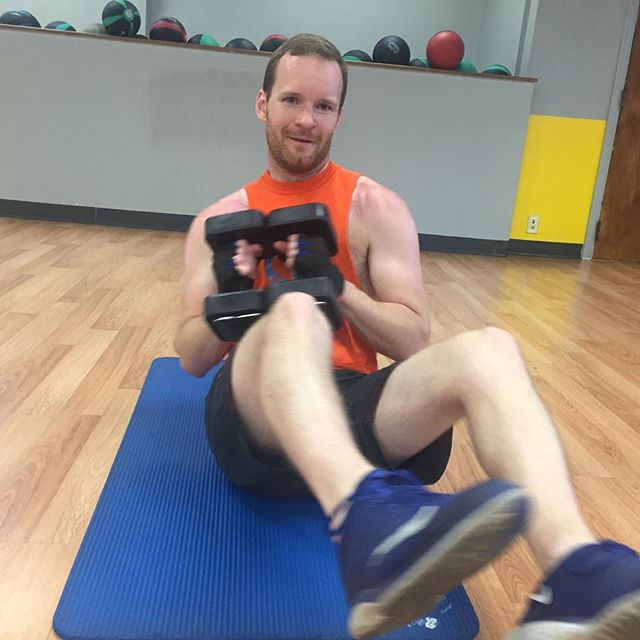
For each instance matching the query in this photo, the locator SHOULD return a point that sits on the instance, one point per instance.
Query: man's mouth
(303, 140)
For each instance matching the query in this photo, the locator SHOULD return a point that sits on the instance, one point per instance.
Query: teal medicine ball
(204, 40)
(121, 18)
(60, 25)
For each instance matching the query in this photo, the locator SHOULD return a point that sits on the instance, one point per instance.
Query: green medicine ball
(466, 67)
(121, 18)
(497, 70)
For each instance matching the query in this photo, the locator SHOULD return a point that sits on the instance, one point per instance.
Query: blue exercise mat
(174, 552)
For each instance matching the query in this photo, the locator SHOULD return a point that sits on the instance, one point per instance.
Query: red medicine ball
(445, 50)
(169, 29)
(272, 42)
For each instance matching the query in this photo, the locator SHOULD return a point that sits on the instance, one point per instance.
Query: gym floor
(85, 309)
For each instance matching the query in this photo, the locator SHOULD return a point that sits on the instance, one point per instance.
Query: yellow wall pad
(558, 176)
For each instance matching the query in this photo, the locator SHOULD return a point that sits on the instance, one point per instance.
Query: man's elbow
(196, 369)
(189, 361)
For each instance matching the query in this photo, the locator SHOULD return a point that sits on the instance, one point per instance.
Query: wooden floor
(84, 310)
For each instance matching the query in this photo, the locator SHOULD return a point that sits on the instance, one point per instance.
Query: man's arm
(395, 318)
(197, 346)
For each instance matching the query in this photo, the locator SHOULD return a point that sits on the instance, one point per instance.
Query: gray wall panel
(574, 55)
(500, 34)
(149, 127)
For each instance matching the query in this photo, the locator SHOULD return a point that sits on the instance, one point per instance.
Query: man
(296, 408)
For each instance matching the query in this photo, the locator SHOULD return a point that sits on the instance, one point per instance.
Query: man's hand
(307, 257)
(235, 266)
(246, 259)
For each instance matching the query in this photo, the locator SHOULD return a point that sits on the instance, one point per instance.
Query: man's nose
(305, 116)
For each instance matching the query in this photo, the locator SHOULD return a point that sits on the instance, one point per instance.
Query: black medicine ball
(20, 18)
(241, 43)
(121, 18)
(392, 50)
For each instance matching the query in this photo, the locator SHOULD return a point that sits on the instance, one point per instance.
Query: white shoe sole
(618, 621)
(467, 548)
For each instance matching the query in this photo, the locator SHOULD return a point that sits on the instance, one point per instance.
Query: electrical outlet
(532, 224)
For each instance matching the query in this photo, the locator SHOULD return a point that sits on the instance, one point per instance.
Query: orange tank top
(334, 188)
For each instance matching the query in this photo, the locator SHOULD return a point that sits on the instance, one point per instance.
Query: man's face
(302, 112)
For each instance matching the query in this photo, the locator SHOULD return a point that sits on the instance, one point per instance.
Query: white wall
(78, 13)
(349, 24)
(500, 33)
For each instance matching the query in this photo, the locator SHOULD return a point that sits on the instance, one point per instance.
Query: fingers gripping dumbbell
(232, 311)
(314, 274)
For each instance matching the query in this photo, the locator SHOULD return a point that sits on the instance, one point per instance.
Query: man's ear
(261, 106)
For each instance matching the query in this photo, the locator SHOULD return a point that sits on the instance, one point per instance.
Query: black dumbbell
(231, 313)
(222, 230)
(312, 219)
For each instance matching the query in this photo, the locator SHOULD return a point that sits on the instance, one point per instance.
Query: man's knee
(487, 353)
(294, 310)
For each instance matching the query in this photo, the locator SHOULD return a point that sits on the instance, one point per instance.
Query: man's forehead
(288, 65)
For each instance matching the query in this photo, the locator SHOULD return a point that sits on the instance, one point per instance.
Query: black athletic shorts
(273, 475)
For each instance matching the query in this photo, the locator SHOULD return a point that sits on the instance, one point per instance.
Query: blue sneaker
(594, 594)
(401, 547)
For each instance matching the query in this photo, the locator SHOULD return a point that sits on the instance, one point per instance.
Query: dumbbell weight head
(227, 228)
(312, 219)
(230, 315)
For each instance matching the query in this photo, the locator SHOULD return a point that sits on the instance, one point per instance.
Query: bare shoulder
(378, 207)
(197, 251)
(236, 201)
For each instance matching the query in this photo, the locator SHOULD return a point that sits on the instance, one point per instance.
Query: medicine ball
(169, 30)
(121, 18)
(419, 62)
(358, 54)
(20, 18)
(497, 70)
(392, 50)
(466, 67)
(445, 50)
(60, 25)
(272, 42)
(204, 40)
(241, 43)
